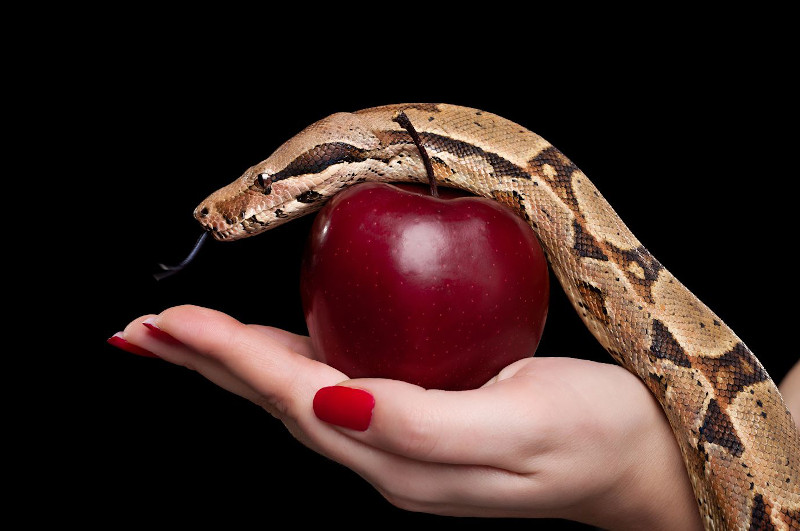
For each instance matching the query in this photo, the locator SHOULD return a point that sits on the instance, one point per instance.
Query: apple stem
(405, 123)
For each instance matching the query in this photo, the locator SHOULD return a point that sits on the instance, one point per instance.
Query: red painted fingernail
(160, 334)
(344, 406)
(127, 346)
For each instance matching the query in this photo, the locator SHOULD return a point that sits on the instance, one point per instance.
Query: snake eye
(264, 183)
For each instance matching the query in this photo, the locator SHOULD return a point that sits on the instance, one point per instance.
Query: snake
(737, 438)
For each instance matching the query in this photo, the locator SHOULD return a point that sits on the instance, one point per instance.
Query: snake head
(295, 180)
(251, 204)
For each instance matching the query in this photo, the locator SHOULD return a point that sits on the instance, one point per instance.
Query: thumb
(478, 427)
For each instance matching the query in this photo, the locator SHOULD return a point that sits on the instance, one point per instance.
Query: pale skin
(575, 439)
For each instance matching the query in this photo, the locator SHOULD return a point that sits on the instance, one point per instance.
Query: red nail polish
(344, 406)
(121, 343)
(160, 334)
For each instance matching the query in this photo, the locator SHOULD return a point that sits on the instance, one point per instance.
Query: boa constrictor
(738, 440)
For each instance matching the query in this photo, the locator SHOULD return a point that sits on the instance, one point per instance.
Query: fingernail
(160, 334)
(344, 406)
(121, 343)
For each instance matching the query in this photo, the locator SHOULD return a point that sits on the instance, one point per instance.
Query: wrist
(651, 488)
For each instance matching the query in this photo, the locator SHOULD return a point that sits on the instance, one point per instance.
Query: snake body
(738, 440)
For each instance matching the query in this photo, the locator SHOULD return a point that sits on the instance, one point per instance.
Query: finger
(284, 379)
(152, 342)
(500, 425)
(250, 360)
(298, 343)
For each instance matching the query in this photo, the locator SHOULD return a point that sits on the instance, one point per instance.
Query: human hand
(547, 437)
(790, 390)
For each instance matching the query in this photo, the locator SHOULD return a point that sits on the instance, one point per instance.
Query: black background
(688, 146)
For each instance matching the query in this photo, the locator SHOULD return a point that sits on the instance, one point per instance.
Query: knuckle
(418, 433)
(282, 398)
(276, 406)
(401, 501)
(421, 495)
(412, 505)
(404, 495)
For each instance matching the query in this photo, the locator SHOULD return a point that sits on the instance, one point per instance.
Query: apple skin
(439, 292)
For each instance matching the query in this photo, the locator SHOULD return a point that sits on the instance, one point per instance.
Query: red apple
(439, 292)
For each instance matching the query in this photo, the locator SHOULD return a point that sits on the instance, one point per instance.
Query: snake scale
(738, 440)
